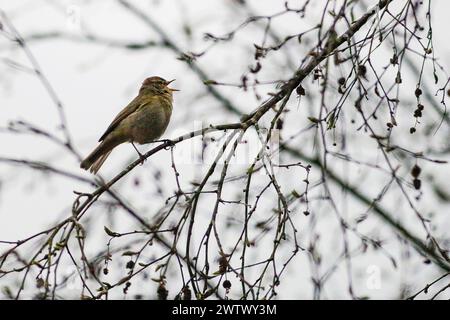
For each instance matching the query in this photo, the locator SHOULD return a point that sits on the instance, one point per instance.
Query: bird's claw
(141, 156)
(169, 143)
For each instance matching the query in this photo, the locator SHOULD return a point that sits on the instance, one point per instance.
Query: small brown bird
(143, 120)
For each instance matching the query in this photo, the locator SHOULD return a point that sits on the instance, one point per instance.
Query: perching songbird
(143, 120)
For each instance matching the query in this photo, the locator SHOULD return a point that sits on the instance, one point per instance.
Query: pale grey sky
(95, 81)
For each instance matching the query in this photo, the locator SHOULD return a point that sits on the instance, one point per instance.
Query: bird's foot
(168, 142)
(141, 156)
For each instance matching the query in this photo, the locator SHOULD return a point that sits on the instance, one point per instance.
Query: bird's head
(158, 85)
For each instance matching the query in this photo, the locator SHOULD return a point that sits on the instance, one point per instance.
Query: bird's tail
(95, 160)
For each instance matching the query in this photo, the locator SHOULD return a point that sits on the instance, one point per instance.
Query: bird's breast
(151, 120)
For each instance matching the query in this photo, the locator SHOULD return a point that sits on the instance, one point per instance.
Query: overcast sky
(95, 81)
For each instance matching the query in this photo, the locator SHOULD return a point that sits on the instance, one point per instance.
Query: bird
(143, 121)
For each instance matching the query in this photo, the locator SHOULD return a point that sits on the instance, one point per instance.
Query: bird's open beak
(169, 82)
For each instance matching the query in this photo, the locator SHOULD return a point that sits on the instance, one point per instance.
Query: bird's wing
(135, 104)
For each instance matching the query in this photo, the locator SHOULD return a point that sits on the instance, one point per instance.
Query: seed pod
(398, 78)
(162, 292)
(417, 184)
(187, 293)
(394, 59)
(226, 284)
(415, 171)
(362, 70)
(300, 90)
(279, 124)
(418, 92)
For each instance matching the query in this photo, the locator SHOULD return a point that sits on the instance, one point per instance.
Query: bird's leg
(140, 154)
